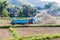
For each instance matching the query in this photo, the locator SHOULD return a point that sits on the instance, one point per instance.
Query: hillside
(36, 3)
(53, 8)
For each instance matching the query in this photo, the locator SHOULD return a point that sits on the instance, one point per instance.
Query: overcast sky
(57, 1)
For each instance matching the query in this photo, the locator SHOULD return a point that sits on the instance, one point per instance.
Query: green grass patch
(14, 33)
(19, 26)
(39, 37)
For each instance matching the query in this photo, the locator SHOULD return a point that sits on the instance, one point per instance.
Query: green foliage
(16, 26)
(40, 37)
(27, 10)
(5, 13)
(50, 25)
(2, 6)
(13, 32)
(12, 39)
(24, 10)
(5, 26)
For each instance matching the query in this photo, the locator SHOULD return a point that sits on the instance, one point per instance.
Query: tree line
(12, 11)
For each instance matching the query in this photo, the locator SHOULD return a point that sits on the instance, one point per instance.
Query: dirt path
(37, 30)
(5, 34)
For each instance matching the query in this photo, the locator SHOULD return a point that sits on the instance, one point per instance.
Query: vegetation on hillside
(8, 10)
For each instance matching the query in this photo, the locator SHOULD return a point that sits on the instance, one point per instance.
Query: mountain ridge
(36, 3)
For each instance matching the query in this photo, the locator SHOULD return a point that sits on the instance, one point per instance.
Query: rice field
(26, 31)
(5, 34)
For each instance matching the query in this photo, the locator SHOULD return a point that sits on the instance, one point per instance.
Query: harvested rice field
(5, 34)
(37, 30)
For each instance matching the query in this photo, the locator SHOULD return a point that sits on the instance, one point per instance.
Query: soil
(5, 34)
(37, 30)
(27, 31)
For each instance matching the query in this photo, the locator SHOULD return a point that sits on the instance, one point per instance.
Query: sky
(57, 1)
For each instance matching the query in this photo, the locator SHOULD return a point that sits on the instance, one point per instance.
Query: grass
(14, 33)
(40, 37)
(19, 26)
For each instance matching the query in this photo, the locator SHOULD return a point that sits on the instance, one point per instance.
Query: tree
(27, 10)
(2, 7)
(20, 12)
(5, 13)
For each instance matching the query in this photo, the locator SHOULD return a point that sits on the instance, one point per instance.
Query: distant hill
(53, 10)
(36, 3)
(19, 2)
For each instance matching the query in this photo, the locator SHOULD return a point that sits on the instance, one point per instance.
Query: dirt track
(5, 34)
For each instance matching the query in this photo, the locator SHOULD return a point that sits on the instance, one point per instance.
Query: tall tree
(2, 7)
(5, 13)
(28, 10)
